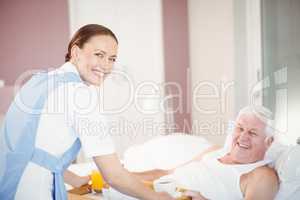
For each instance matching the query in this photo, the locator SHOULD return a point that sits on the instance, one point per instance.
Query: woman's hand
(74, 179)
(83, 180)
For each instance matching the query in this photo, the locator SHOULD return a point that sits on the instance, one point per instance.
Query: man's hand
(194, 195)
(164, 196)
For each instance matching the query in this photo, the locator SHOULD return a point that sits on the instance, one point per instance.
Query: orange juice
(97, 181)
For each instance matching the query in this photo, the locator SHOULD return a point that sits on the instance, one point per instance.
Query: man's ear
(269, 141)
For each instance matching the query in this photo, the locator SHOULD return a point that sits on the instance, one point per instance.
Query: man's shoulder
(259, 180)
(260, 175)
(263, 171)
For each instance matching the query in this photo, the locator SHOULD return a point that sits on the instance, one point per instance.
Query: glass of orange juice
(97, 181)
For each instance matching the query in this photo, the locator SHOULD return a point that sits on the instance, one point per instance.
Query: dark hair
(85, 33)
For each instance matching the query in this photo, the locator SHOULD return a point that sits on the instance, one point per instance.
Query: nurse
(55, 114)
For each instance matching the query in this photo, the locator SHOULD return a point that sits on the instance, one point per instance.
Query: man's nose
(244, 135)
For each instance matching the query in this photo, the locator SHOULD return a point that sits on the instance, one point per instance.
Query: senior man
(241, 173)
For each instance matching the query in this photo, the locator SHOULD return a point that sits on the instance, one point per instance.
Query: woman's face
(94, 61)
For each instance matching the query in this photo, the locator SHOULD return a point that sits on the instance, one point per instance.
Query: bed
(169, 151)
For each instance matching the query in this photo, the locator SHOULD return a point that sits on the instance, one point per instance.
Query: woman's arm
(75, 180)
(119, 178)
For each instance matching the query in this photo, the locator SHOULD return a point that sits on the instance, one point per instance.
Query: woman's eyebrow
(104, 52)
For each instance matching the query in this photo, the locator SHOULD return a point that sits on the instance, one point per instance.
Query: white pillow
(288, 191)
(288, 169)
(164, 152)
(228, 140)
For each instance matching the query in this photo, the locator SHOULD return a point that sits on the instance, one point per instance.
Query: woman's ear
(75, 52)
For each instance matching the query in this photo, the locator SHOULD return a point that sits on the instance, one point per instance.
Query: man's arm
(199, 156)
(152, 175)
(208, 150)
(261, 184)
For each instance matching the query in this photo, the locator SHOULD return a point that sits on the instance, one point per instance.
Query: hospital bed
(166, 152)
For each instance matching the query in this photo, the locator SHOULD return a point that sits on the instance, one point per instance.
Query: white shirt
(71, 111)
(213, 179)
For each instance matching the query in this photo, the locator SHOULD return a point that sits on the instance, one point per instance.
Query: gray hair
(263, 114)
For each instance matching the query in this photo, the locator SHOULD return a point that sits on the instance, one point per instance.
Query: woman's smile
(98, 72)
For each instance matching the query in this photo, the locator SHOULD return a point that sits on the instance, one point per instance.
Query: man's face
(249, 143)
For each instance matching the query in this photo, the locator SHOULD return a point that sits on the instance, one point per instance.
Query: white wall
(138, 26)
(281, 28)
(211, 27)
